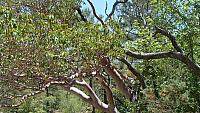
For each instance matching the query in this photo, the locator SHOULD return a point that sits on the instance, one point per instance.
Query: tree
(50, 42)
(143, 21)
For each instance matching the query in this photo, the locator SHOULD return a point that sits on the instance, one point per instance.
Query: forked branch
(116, 76)
(114, 8)
(92, 98)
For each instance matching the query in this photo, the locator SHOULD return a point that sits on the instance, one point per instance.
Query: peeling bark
(116, 77)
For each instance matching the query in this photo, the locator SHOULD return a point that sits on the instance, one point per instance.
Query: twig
(106, 8)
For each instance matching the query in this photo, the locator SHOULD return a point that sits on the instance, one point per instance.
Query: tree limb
(171, 38)
(78, 93)
(176, 55)
(109, 94)
(95, 99)
(147, 56)
(81, 14)
(116, 77)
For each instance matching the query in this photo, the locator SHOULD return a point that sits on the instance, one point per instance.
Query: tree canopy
(144, 55)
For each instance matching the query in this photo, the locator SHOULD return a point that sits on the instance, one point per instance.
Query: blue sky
(100, 6)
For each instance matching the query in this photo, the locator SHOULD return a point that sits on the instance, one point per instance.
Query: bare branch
(93, 95)
(94, 12)
(147, 56)
(25, 97)
(114, 7)
(92, 98)
(106, 8)
(78, 93)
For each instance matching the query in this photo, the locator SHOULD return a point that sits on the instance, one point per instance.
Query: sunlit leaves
(55, 41)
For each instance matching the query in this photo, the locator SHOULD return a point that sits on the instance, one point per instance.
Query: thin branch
(135, 72)
(25, 97)
(171, 38)
(106, 8)
(114, 7)
(94, 12)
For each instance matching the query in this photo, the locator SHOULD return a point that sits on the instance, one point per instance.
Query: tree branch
(135, 72)
(176, 55)
(114, 7)
(94, 12)
(78, 93)
(147, 56)
(171, 38)
(96, 102)
(109, 94)
(106, 8)
(116, 77)
(25, 97)
(81, 14)
(92, 98)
